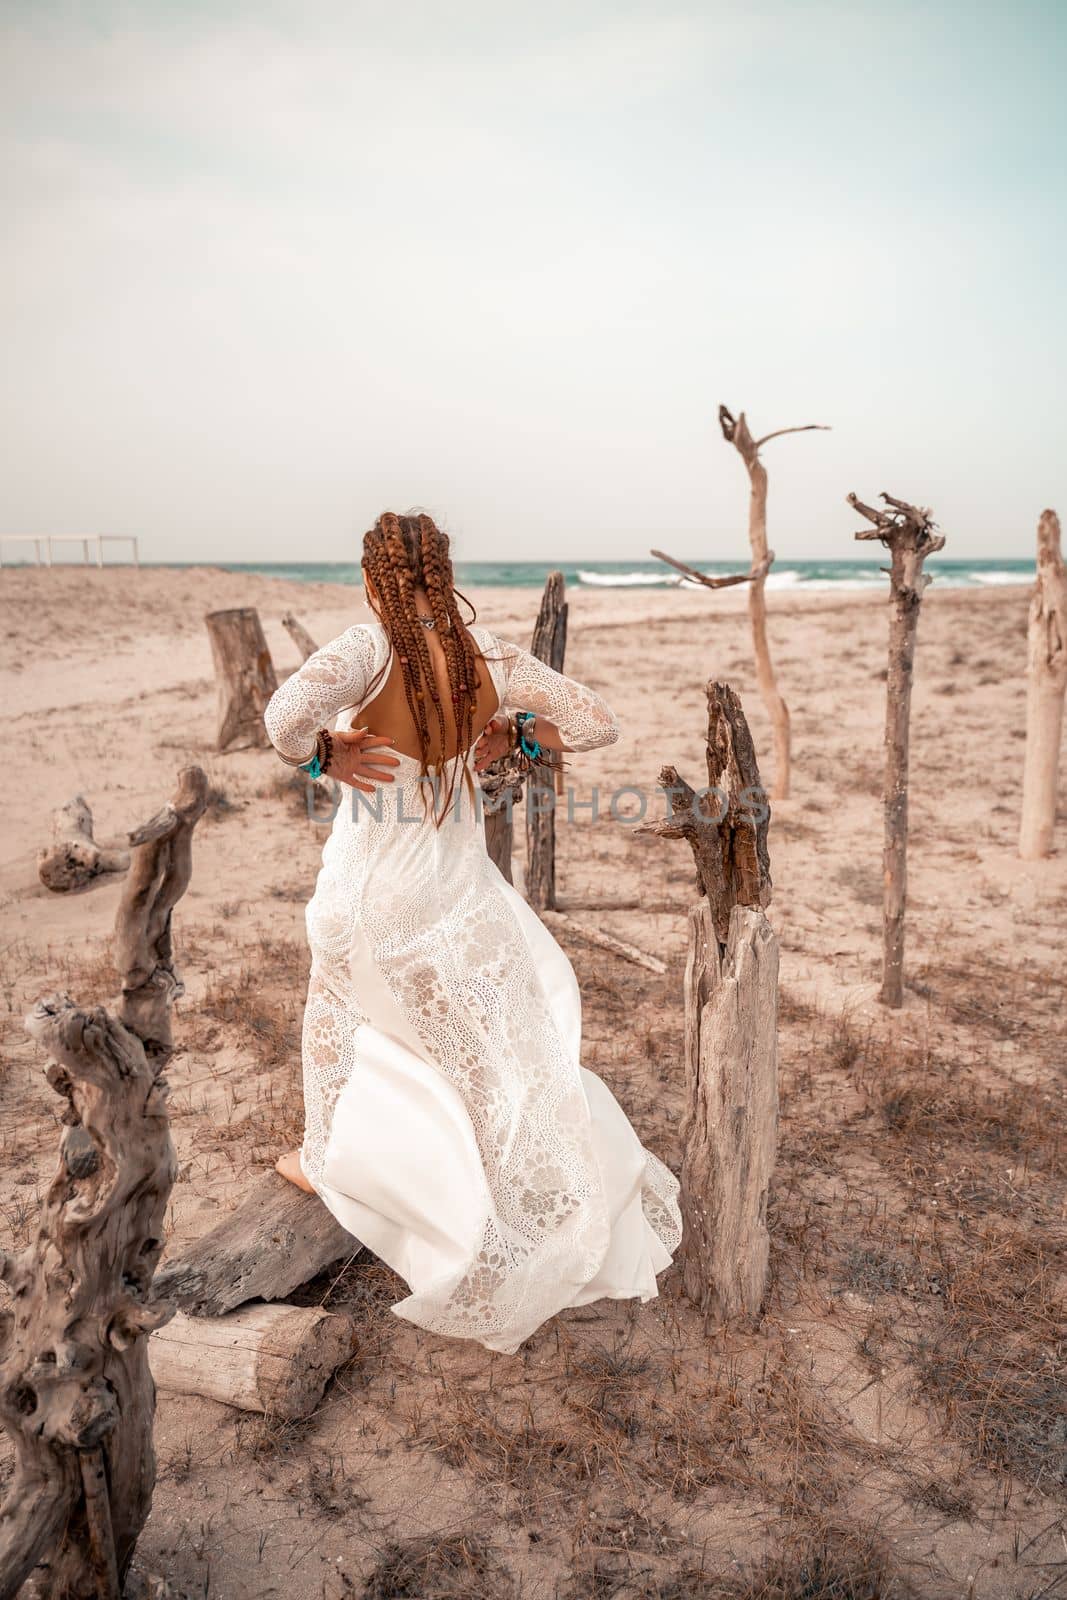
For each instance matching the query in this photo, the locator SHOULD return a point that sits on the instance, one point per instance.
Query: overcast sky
(269, 269)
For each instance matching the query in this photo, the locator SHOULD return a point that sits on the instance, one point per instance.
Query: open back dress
(449, 1123)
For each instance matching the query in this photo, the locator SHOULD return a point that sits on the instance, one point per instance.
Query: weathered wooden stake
(74, 858)
(1046, 688)
(76, 1395)
(244, 673)
(730, 1118)
(299, 635)
(735, 431)
(907, 533)
(549, 645)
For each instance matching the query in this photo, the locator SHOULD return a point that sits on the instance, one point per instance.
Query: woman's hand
(495, 741)
(359, 760)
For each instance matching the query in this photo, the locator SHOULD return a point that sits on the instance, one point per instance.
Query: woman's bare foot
(289, 1167)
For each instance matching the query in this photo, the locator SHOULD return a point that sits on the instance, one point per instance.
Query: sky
(270, 269)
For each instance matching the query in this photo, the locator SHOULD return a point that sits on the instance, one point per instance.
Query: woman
(449, 1124)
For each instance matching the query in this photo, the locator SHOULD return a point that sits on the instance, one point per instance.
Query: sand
(896, 1413)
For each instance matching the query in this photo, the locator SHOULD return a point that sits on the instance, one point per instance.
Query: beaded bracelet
(529, 747)
(319, 763)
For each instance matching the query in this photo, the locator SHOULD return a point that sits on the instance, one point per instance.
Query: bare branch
(805, 427)
(760, 570)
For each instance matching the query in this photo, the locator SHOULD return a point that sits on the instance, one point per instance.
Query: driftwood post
(907, 533)
(1046, 686)
(729, 1125)
(502, 782)
(735, 431)
(549, 645)
(244, 673)
(299, 635)
(76, 1394)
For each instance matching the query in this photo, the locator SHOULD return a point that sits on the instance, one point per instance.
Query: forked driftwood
(1046, 688)
(299, 635)
(725, 822)
(735, 431)
(549, 645)
(76, 1395)
(74, 858)
(907, 532)
(760, 570)
(730, 1118)
(244, 674)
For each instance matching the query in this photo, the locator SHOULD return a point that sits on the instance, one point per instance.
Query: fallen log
(74, 858)
(276, 1359)
(603, 941)
(244, 674)
(278, 1238)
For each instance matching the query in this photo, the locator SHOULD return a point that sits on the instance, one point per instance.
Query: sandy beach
(899, 1402)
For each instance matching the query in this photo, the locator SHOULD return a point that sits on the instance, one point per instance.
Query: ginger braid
(401, 554)
(460, 656)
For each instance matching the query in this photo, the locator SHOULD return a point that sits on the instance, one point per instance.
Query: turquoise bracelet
(531, 748)
(312, 767)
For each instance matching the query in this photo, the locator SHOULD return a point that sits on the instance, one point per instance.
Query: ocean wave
(630, 580)
(998, 577)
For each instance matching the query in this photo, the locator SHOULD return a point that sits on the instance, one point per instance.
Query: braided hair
(402, 554)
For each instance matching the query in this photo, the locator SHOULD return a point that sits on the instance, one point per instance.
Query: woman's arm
(569, 715)
(332, 679)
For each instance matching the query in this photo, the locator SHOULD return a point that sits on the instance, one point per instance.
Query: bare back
(388, 712)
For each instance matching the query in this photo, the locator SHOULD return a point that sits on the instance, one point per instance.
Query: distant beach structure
(47, 541)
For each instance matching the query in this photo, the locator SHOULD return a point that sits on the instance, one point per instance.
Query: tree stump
(244, 674)
(907, 532)
(76, 1394)
(729, 1124)
(1046, 688)
(549, 645)
(735, 431)
(275, 1359)
(74, 858)
(729, 1127)
(299, 635)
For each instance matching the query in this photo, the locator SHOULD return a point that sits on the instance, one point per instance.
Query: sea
(799, 576)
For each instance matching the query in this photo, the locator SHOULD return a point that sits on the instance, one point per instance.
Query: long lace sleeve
(582, 716)
(334, 677)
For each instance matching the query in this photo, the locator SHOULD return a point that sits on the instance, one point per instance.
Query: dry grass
(453, 1566)
(816, 1561)
(264, 1015)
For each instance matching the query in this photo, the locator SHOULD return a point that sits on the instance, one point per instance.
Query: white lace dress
(449, 1124)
